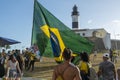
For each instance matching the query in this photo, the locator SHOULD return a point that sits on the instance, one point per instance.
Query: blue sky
(16, 16)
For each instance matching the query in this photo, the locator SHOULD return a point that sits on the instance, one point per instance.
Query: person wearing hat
(107, 68)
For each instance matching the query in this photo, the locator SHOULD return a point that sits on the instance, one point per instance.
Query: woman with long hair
(84, 66)
(21, 63)
(12, 67)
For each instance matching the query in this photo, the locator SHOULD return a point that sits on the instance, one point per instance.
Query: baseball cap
(106, 55)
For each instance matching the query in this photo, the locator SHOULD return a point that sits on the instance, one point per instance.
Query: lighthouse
(75, 15)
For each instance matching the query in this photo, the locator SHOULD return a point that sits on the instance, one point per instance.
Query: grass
(45, 68)
(42, 69)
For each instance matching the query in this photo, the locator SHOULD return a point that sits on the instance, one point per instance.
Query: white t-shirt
(12, 65)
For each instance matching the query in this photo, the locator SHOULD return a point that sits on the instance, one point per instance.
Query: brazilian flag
(56, 42)
(40, 36)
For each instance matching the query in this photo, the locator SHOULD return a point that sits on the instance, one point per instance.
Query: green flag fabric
(42, 17)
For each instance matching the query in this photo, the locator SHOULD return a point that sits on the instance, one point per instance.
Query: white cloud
(116, 21)
(90, 21)
(113, 28)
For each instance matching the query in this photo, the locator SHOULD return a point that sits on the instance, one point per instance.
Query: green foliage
(7, 47)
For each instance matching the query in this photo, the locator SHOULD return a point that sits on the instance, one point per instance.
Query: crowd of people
(12, 63)
(84, 70)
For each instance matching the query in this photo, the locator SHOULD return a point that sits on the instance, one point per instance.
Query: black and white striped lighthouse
(75, 15)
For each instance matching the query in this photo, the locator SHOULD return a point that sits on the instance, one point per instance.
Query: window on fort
(83, 34)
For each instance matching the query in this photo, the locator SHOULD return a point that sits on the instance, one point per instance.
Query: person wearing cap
(107, 68)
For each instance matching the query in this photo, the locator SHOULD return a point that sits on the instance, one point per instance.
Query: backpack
(93, 75)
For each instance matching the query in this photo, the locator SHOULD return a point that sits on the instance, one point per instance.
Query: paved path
(30, 78)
